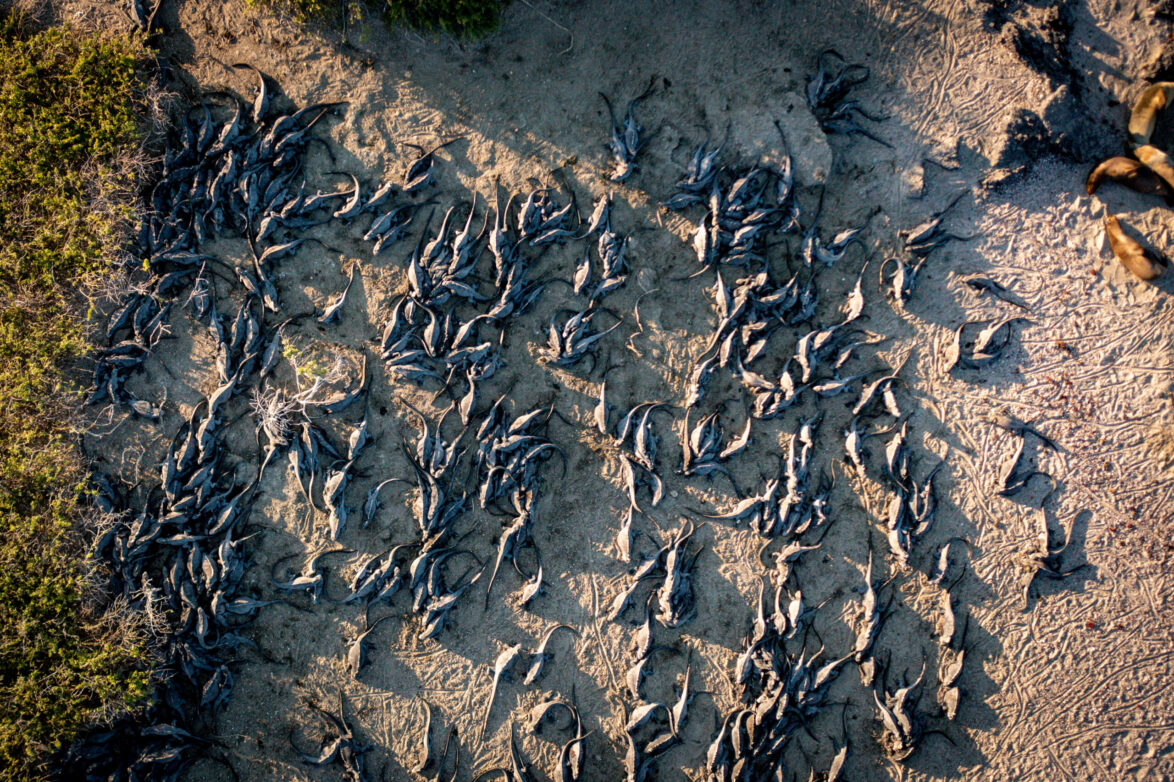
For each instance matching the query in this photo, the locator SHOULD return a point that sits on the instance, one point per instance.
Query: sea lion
(1157, 161)
(1131, 173)
(1144, 115)
(1135, 258)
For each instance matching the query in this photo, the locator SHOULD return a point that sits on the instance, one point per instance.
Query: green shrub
(68, 114)
(461, 18)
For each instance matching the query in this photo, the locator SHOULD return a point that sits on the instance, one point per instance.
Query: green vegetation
(460, 18)
(69, 107)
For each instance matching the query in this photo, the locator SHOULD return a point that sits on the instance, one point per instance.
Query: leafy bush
(68, 116)
(461, 18)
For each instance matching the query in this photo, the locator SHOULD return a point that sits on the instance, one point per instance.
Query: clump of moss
(69, 116)
(460, 18)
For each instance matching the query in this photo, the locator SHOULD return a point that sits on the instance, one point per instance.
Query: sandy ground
(1076, 686)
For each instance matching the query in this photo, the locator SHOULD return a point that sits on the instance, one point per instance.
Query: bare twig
(556, 24)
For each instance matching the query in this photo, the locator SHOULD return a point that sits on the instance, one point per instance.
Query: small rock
(998, 177)
(646, 279)
(943, 151)
(914, 181)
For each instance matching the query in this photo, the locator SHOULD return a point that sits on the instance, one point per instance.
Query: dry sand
(1077, 686)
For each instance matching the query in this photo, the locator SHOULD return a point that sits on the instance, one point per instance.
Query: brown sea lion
(1133, 174)
(1136, 258)
(1157, 161)
(1145, 112)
